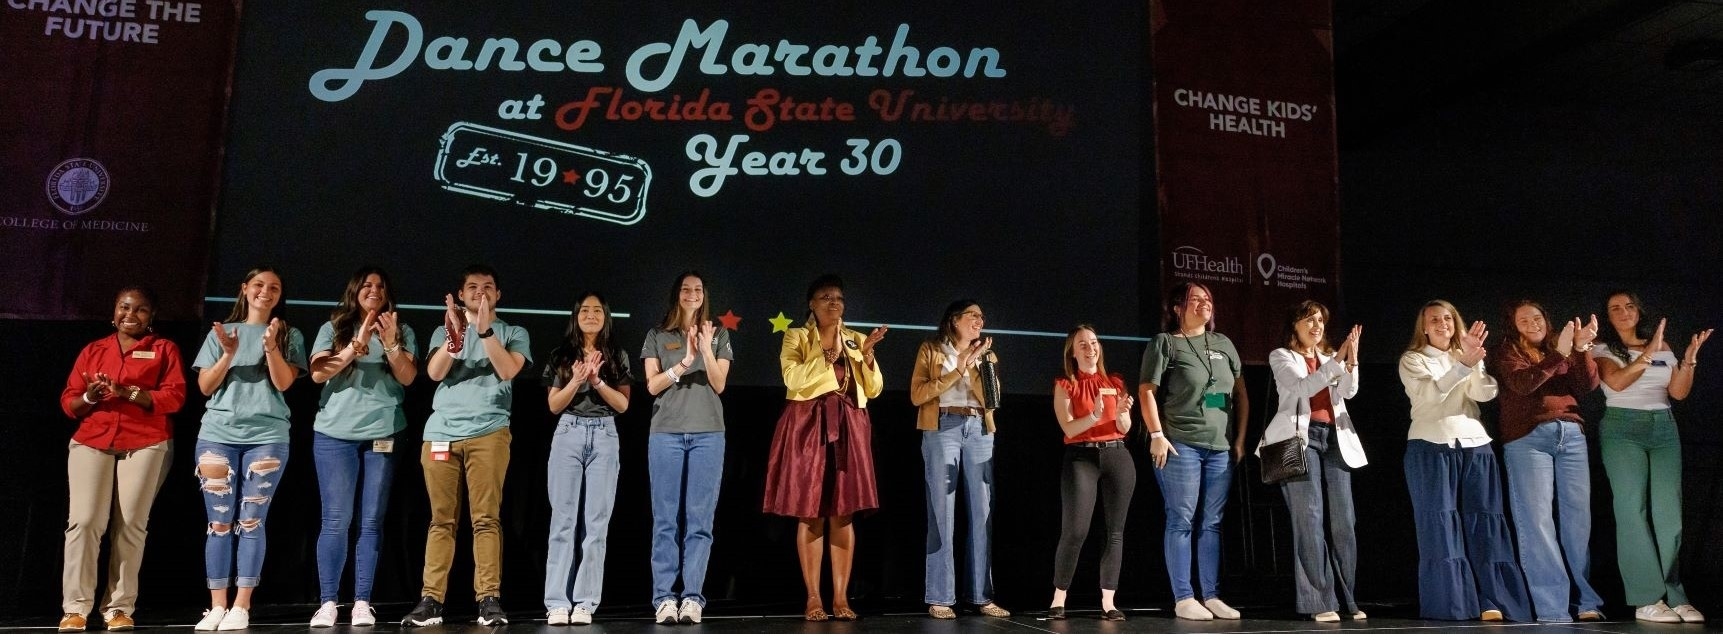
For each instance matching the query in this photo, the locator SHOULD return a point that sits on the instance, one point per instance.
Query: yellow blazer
(808, 376)
(927, 383)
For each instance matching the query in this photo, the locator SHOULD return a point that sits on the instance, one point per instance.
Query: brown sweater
(1537, 392)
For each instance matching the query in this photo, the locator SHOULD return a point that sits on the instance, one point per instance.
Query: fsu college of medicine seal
(77, 185)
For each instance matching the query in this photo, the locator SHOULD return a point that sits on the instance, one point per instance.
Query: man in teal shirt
(467, 436)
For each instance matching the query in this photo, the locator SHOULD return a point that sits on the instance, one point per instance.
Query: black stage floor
(1384, 618)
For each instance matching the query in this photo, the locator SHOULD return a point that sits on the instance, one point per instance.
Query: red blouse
(1082, 395)
(117, 424)
(1321, 404)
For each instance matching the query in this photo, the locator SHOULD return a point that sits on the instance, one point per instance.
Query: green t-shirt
(689, 406)
(246, 408)
(363, 402)
(1181, 368)
(472, 401)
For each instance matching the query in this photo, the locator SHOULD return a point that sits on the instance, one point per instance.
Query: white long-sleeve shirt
(1445, 396)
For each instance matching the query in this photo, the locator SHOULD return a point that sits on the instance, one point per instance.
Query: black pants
(1087, 469)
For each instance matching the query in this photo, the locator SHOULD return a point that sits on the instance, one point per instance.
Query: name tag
(440, 451)
(144, 355)
(1214, 400)
(385, 445)
(1109, 391)
(1659, 363)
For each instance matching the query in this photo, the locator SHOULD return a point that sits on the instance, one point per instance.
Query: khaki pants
(104, 487)
(482, 462)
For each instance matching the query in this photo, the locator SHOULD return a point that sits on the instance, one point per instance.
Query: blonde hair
(1419, 340)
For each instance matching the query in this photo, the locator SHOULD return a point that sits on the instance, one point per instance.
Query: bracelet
(133, 396)
(1155, 434)
(359, 348)
(488, 332)
(1691, 365)
(392, 350)
(86, 398)
(671, 373)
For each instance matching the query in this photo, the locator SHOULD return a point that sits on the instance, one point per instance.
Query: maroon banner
(1247, 168)
(113, 120)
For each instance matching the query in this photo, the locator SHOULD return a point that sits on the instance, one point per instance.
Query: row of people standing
(1192, 399)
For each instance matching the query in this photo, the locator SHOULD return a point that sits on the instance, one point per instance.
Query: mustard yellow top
(807, 375)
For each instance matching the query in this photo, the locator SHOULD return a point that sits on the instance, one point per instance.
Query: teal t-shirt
(472, 401)
(1181, 368)
(246, 408)
(363, 402)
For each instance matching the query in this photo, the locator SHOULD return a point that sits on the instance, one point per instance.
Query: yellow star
(780, 323)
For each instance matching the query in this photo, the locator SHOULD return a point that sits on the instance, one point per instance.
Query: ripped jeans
(237, 495)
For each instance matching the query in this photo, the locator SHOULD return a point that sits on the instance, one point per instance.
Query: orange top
(1082, 394)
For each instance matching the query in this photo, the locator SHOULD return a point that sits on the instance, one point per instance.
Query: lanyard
(1202, 357)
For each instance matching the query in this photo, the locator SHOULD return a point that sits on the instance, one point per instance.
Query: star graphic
(780, 323)
(731, 320)
(571, 176)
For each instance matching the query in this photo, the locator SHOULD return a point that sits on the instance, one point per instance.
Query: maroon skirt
(821, 462)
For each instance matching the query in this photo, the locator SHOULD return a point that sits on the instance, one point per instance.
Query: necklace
(1201, 357)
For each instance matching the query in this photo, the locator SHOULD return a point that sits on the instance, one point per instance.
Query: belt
(1104, 444)
(961, 411)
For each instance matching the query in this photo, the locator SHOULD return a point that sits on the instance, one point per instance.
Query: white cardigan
(1296, 386)
(1445, 396)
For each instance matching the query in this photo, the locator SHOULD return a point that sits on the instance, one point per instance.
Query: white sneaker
(1658, 612)
(1220, 610)
(666, 613)
(1327, 616)
(1690, 614)
(325, 616)
(1190, 609)
(556, 617)
(690, 612)
(363, 614)
(211, 619)
(235, 620)
(1359, 615)
(580, 616)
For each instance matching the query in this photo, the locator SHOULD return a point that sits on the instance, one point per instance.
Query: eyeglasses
(973, 314)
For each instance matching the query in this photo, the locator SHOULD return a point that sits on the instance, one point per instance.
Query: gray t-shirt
(688, 406)
(247, 408)
(587, 403)
(363, 402)
(472, 401)
(1181, 368)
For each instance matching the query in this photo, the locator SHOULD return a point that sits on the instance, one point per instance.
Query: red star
(731, 320)
(571, 176)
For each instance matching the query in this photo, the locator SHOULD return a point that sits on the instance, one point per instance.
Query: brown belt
(961, 411)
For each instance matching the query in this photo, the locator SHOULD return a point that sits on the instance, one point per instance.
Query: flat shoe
(941, 612)
(1055, 613)
(1113, 614)
(1491, 615)
(816, 611)
(843, 613)
(1326, 616)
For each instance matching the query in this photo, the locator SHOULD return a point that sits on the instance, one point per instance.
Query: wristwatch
(491, 331)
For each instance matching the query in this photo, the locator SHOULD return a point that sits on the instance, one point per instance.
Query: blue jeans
(685, 470)
(223, 507)
(960, 452)
(1194, 478)
(1465, 559)
(583, 462)
(342, 466)
(1550, 464)
(1324, 541)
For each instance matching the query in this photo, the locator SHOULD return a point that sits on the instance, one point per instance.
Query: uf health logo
(77, 185)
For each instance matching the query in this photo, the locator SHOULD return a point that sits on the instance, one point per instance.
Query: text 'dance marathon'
(503, 165)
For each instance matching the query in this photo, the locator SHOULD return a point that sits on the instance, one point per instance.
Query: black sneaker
(491, 612)
(427, 613)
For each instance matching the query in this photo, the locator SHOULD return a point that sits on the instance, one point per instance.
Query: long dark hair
(348, 314)
(239, 308)
(573, 346)
(1516, 342)
(1297, 314)
(673, 314)
(1612, 338)
(1176, 298)
(948, 322)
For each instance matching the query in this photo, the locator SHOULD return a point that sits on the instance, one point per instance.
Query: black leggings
(1111, 470)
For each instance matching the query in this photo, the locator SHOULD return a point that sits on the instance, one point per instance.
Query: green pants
(1642, 455)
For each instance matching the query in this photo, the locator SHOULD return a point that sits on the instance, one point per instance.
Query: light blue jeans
(340, 464)
(238, 503)
(1550, 465)
(583, 463)
(959, 453)
(685, 470)
(1194, 486)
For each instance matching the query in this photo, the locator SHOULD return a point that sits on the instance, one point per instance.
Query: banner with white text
(112, 128)
(1247, 168)
(925, 151)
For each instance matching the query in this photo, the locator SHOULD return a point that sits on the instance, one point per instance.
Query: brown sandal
(843, 612)
(816, 611)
